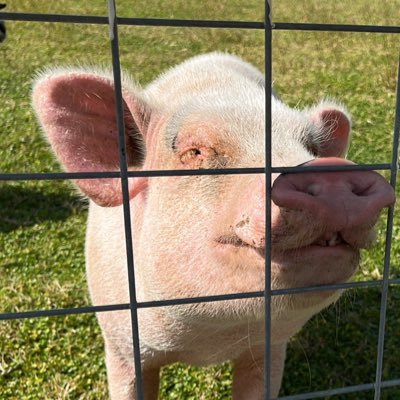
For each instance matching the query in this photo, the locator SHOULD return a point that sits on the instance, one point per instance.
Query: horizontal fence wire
(125, 174)
(195, 23)
(343, 390)
(190, 172)
(193, 300)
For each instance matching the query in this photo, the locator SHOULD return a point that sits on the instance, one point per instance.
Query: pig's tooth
(321, 242)
(334, 240)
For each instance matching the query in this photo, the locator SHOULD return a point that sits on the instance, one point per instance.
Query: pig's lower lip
(326, 246)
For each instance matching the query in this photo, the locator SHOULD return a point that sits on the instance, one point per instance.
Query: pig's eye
(193, 153)
(190, 155)
(195, 157)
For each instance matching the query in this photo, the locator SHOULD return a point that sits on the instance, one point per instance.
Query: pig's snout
(344, 201)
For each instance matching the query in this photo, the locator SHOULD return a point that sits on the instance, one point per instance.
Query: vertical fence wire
(388, 246)
(113, 26)
(268, 177)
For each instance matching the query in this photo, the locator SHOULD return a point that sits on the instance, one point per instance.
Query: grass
(42, 223)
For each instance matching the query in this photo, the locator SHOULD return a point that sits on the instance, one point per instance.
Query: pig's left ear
(77, 112)
(333, 129)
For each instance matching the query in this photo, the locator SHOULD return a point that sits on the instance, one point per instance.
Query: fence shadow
(22, 205)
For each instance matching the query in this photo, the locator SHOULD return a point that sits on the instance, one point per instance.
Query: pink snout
(342, 200)
(348, 202)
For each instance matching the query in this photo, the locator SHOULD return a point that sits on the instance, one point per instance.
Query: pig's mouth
(235, 242)
(326, 242)
(327, 245)
(330, 241)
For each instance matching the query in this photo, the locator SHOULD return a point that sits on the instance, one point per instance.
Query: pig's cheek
(191, 266)
(201, 271)
(237, 270)
(362, 237)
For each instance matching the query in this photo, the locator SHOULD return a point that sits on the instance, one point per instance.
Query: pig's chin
(316, 264)
(315, 250)
(319, 262)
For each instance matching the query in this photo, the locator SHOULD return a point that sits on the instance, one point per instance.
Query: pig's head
(204, 235)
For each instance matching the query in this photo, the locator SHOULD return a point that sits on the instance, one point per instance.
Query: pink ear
(77, 112)
(335, 125)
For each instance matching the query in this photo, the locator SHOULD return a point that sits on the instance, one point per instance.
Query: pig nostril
(362, 192)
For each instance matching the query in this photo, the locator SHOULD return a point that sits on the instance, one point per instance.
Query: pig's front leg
(121, 378)
(248, 373)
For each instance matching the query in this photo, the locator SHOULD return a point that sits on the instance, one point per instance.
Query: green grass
(42, 223)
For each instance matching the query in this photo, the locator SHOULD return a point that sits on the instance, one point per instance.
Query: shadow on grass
(23, 205)
(338, 347)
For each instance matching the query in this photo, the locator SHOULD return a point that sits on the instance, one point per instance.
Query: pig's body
(205, 235)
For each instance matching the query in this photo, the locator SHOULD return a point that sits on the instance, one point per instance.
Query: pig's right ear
(334, 129)
(77, 113)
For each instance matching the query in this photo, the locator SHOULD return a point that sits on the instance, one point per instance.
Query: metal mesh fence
(113, 22)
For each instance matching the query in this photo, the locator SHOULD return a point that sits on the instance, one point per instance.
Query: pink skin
(339, 209)
(79, 113)
(347, 202)
(204, 235)
(339, 126)
(343, 200)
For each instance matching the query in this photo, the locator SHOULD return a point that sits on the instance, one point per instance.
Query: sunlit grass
(42, 223)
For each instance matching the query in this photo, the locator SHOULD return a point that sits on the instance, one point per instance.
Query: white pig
(205, 235)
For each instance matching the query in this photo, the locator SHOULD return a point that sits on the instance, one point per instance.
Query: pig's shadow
(24, 206)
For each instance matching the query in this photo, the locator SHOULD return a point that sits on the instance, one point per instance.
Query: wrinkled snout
(343, 200)
(344, 203)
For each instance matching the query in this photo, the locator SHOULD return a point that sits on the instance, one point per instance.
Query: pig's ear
(333, 130)
(77, 113)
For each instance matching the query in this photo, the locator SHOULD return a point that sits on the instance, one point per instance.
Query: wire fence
(113, 22)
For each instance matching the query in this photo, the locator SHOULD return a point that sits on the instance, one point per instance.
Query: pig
(205, 235)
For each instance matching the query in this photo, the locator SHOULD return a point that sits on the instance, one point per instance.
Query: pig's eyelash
(173, 146)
